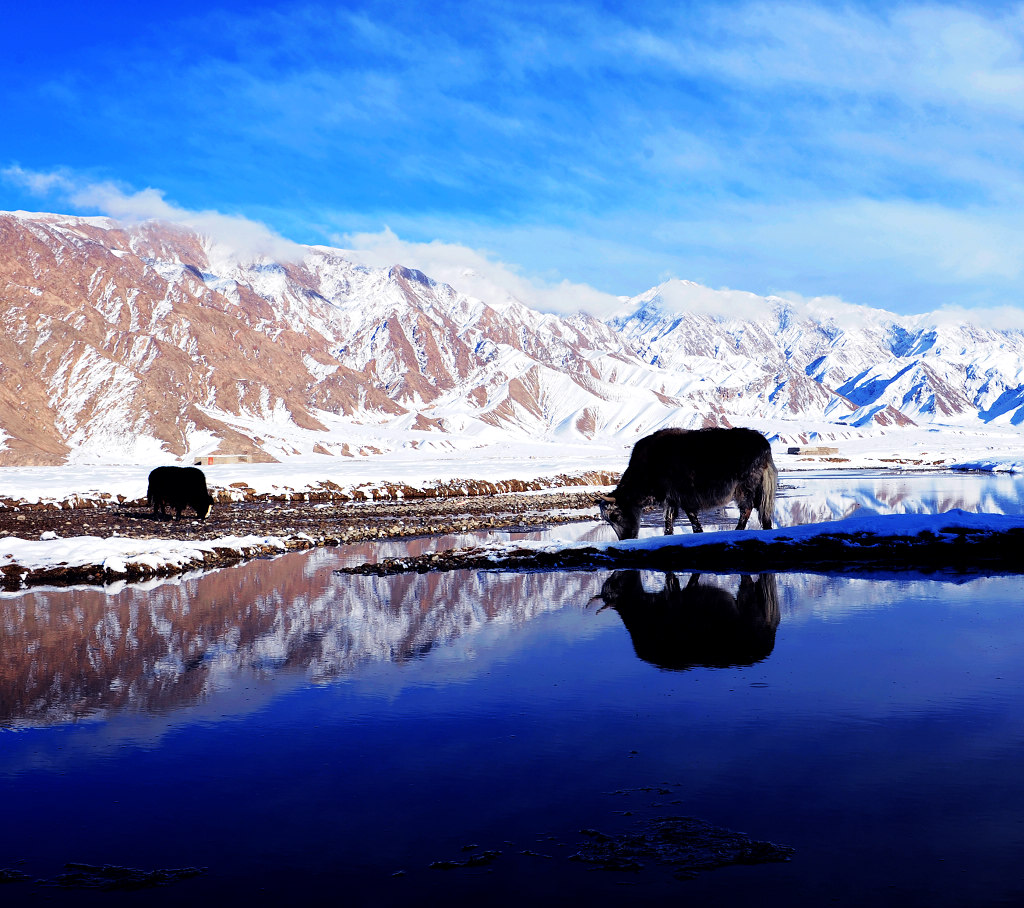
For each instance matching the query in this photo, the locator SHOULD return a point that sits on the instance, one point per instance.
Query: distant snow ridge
(139, 343)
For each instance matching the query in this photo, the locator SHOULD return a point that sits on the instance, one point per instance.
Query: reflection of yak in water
(682, 627)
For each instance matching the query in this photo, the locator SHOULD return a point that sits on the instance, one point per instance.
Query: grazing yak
(178, 488)
(683, 627)
(690, 471)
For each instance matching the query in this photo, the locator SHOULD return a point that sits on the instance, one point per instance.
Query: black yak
(178, 488)
(690, 471)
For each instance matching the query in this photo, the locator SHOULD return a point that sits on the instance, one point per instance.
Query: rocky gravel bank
(296, 524)
(334, 521)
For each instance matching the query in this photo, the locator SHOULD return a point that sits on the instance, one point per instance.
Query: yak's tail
(769, 479)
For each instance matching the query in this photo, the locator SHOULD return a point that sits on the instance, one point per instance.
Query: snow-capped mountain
(140, 343)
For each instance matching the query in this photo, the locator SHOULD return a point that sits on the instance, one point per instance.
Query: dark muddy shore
(340, 521)
(956, 549)
(299, 524)
(275, 526)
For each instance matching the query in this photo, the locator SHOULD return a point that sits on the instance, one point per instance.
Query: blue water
(303, 734)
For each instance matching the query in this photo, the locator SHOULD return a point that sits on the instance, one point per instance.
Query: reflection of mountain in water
(700, 624)
(69, 654)
(822, 498)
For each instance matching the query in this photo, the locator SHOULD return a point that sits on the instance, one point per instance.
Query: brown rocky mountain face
(141, 343)
(111, 335)
(97, 341)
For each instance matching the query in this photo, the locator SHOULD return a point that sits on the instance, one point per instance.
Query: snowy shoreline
(96, 559)
(358, 478)
(104, 560)
(953, 541)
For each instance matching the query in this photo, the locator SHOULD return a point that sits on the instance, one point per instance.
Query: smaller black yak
(689, 471)
(178, 488)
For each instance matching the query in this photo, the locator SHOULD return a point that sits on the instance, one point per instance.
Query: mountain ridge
(140, 343)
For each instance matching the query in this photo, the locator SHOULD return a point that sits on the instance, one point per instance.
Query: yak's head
(624, 520)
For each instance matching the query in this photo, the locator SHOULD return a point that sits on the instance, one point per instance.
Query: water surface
(301, 733)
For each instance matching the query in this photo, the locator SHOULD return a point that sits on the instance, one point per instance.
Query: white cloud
(37, 183)
(685, 296)
(473, 272)
(231, 236)
(920, 53)
(959, 244)
(476, 273)
(836, 310)
(678, 297)
(998, 318)
(905, 255)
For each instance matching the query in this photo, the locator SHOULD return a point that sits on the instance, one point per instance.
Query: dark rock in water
(10, 875)
(111, 877)
(480, 859)
(686, 844)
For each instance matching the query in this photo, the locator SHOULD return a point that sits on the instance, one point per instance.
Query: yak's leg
(694, 521)
(745, 502)
(766, 520)
(671, 512)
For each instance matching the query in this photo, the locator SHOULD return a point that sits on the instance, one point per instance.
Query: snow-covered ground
(954, 448)
(415, 468)
(114, 554)
(863, 526)
(946, 448)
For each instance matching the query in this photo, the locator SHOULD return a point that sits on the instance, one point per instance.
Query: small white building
(816, 450)
(210, 459)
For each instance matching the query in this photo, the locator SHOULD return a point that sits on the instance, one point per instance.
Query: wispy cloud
(473, 272)
(933, 53)
(899, 235)
(867, 150)
(477, 273)
(234, 236)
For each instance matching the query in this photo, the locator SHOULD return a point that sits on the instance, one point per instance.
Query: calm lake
(303, 734)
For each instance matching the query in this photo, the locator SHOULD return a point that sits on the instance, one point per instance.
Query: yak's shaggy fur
(690, 471)
(178, 488)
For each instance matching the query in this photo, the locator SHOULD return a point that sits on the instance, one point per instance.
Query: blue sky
(871, 152)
